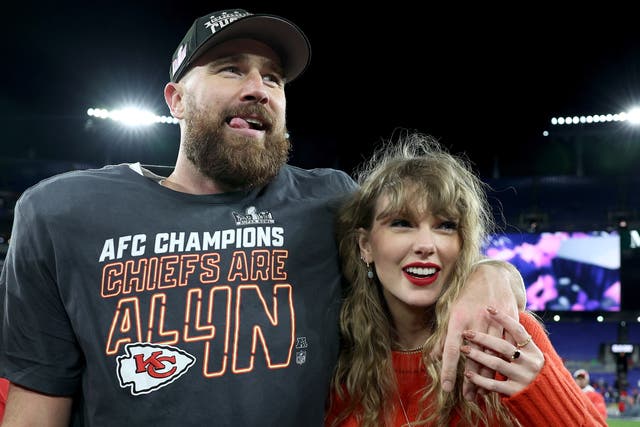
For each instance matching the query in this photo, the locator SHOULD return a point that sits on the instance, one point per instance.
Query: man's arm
(493, 283)
(508, 273)
(29, 408)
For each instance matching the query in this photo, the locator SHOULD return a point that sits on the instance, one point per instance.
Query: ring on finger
(515, 354)
(527, 341)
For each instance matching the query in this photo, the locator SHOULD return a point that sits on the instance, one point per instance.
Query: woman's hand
(516, 356)
(492, 282)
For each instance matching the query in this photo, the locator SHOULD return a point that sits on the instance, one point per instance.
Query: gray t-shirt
(154, 307)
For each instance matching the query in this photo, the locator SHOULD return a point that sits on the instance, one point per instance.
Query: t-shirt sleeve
(347, 182)
(553, 394)
(342, 186)
(38, 349)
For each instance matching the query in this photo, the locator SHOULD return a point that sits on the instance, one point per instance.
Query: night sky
(484, 81)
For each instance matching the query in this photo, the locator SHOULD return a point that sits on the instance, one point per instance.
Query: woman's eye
(399, 223)
(449, 225)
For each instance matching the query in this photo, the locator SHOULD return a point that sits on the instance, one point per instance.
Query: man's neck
(185, 178)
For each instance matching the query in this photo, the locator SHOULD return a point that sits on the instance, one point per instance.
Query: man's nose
(254, 89)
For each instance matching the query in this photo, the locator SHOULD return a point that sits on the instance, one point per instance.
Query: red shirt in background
(4, 391)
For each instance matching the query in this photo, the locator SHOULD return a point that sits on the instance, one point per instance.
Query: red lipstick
(421, 274)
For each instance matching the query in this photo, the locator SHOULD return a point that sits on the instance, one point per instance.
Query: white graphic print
(301, 355)
(148, 367)
(218, 22)
(180, 56)
(252, 216)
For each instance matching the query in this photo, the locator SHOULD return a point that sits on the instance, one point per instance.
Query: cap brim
(283, 36)
(580, 372)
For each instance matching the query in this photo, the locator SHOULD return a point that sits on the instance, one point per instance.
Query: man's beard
(234, 162)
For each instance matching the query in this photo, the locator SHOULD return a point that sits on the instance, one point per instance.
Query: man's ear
(173, 98)
(365, 246)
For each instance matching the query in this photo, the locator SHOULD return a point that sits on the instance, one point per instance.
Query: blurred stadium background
(569, 173)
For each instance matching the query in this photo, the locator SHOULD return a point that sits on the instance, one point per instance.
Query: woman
(408, 238)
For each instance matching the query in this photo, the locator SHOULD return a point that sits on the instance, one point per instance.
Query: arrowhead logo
(148, 367)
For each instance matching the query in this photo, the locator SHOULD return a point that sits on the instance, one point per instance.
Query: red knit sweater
(553, 398)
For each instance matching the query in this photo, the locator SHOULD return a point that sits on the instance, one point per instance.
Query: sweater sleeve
(553, 394)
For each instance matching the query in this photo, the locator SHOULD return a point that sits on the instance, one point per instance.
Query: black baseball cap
(282, 35)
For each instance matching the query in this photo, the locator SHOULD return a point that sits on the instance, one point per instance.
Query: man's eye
(230, 69)
(273, 79)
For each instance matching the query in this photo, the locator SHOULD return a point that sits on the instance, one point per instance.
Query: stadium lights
(131, 116)
(632, 116)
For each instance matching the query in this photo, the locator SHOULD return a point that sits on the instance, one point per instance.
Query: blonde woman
(408, 239)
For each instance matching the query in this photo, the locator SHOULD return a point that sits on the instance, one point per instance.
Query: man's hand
(492, 283)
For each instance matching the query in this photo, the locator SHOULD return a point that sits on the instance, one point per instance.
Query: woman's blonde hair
(417, 176)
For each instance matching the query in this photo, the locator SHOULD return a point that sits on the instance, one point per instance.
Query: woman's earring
(369, 271)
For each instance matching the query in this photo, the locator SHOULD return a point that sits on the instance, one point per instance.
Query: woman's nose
(424, 243)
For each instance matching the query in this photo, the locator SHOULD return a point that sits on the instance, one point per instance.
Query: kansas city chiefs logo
(148, 367)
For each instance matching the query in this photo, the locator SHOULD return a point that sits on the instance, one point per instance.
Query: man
(582, 379)
(208, 296)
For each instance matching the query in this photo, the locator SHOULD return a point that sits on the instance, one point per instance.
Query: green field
(622, 423)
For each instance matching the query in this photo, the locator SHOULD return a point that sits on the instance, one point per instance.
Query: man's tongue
(238, 123)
